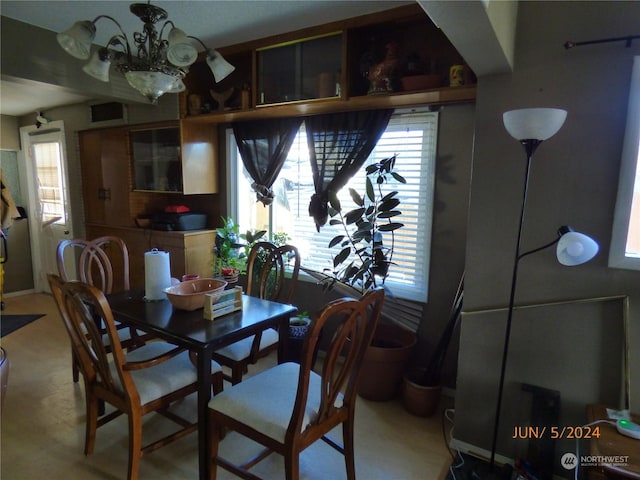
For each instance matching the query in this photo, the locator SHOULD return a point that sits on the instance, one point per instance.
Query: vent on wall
(109, 112)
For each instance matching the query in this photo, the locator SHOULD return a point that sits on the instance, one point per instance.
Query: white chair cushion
(124, 334)
(241, 349)
(265, 401)
(164, 378)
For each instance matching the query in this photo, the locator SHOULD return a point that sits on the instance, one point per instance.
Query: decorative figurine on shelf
(221, 97)
(195, 104)
(244, 96)
(383, 76)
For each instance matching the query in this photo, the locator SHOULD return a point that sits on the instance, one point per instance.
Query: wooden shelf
(443, 96)
(363, 40)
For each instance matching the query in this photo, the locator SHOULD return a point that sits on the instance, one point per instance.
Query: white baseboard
(18, 294)
(477, 452)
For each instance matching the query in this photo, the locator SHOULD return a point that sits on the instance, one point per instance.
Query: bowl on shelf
(143, 221)
(189, 295)
(421, 82)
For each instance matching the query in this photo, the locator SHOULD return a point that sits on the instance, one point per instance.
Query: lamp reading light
(575, 248)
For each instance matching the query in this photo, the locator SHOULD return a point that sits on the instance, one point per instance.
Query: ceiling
(217, 23)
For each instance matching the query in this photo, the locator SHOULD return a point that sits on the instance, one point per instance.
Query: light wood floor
(42, 424)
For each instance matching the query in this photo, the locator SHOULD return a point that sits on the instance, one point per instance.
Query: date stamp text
(556, 432)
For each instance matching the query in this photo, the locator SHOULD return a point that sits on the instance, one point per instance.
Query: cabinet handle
(104, 193)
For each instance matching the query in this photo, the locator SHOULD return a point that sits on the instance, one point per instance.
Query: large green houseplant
(366, 249)
(365, 228)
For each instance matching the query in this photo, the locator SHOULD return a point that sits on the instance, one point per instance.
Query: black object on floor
(11, 323)
(545, 411)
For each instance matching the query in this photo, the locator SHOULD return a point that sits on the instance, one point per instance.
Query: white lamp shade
(77, 40)
(180, 52)
(534, 123)
(151, 84)
(218, 65)
(576, 248)
(98, 66)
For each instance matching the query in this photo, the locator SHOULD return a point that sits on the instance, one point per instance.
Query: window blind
(412, 137)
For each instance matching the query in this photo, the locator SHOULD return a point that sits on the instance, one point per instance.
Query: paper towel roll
(157, 274)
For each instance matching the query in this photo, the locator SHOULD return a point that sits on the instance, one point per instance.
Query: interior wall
(573, 182)
(9, 138)
(449, 232)
(17, 278)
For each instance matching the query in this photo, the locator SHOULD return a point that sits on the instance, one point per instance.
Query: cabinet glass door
(300, 70)
(157, 162)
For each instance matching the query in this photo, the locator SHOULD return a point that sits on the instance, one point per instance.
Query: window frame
(412, 293)
(628, 170)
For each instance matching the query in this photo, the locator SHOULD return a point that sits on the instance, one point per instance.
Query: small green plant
(228, 259)
(232, 247)
(301, 320)
(365, 228)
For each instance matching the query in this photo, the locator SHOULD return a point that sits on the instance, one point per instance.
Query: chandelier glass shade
(153, 65)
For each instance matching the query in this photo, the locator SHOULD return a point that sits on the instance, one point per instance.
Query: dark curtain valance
(339, 144)
(264, 146)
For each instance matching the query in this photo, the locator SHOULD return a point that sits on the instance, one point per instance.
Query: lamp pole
(530, 147)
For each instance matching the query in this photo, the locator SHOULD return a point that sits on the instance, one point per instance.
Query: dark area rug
(11, 323)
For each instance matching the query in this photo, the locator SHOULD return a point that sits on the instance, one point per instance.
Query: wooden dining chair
(267, 265)
(148, 379)
(289, 407)
(104, 263)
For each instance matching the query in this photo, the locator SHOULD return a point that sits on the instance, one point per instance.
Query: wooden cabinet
(112, 204)
(140, 169)
(304, 70)
(106, 182)
(393, 58)
(174, 157)
(200, 172)
(156, 160)
(189, 252)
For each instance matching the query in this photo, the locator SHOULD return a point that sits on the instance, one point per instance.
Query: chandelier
(155, 65)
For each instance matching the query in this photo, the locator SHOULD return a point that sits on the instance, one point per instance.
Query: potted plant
(298, 325)
(229, 261)
(369, 234)
(232, 249)
(421, 387)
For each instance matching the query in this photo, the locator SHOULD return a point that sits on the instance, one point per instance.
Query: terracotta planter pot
(385, 361)
(419, 399)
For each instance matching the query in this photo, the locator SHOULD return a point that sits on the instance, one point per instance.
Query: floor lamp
(531, 126)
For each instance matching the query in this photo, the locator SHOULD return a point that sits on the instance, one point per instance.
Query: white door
(47, 183)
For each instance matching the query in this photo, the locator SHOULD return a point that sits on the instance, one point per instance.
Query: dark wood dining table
(192, 331)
